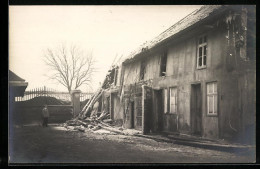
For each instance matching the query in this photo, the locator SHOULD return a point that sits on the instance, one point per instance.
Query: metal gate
(27, 109)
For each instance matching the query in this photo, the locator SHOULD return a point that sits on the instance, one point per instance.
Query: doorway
(112, 109)
(132, 121)
(158, 107)
(196, 109)
(108, 104)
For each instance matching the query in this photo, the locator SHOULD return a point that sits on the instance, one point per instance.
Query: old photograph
(124, 84)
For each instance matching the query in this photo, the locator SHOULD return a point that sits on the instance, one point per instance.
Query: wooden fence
(48, 92)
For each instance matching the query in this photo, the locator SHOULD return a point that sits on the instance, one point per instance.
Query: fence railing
(49, 92)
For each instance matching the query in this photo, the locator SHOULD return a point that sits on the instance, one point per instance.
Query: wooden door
(112, 107)
(147, 109)
(138, 113)
(196, 109)
(158, 107)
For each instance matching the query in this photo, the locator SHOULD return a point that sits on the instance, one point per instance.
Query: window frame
(164, 55)
(213, 94)
(176, 100)
(202, 45)
(165, 101)
(115, 76)
(142, 70)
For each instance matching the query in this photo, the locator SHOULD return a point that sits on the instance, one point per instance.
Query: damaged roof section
(191, 19)
(111, 77)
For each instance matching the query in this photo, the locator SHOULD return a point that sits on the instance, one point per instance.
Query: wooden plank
(113, 129)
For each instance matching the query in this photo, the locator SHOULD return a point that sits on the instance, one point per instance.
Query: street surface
(55, 144)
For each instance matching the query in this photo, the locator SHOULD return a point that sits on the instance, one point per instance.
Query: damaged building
(197, 77)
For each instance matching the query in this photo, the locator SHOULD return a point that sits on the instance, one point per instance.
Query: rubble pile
(90, 110)
(91, 118)
(97, 123)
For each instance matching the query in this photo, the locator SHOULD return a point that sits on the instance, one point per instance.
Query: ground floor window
(165, 94)
(173, 100)
(212, 98)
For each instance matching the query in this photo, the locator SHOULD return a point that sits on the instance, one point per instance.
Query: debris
(70, 127)
(105, 124)
(90, 104)
(91, 108)
(81, 128)
(95, 109)
(113, 130)
(90, 126)
(103, 131)
(85, 124)
(96, 125)
(96, 128)
(108, 121)
(103, 115)
(93, 120)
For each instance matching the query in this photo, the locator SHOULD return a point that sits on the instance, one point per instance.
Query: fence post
(75, 102)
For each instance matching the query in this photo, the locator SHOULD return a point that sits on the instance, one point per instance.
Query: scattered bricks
(108, 121)
(81, 122)
(90, 126)
(70, 127)
(96, 128)
(81, 128)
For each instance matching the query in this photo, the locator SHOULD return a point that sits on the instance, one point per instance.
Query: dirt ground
(55, 144)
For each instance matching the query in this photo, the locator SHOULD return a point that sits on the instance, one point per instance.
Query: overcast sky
(106, 30)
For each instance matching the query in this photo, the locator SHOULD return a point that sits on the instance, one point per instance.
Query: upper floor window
(202, 52)
(163, 64)
(142, 70)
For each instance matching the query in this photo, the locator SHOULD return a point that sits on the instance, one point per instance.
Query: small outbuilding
(17, 86)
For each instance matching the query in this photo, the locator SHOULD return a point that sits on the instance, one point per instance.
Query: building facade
(197, 77)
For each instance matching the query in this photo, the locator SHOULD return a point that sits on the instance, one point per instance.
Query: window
(173, 100)
(163, 64)
(115, 78)
(142, 70)
(202, 52)
(212, 98)
(165, 100)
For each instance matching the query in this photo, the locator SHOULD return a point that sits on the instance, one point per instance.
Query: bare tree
(69, 66)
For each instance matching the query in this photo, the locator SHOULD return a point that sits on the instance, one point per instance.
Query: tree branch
(71, 68)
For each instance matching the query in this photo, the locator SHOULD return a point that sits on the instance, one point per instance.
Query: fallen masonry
(98, 123)
(90, 118)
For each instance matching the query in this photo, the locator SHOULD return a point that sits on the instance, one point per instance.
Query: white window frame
(173, 103)
(203, 54)
(165, 106)
(214, 95)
